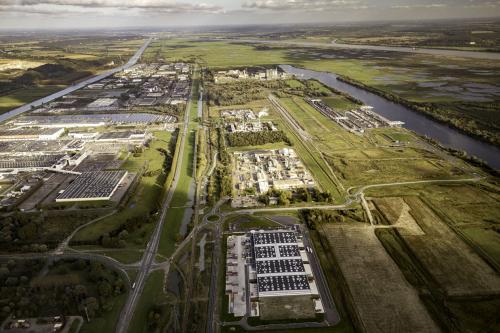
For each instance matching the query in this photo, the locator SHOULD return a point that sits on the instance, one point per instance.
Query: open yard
(292, 307)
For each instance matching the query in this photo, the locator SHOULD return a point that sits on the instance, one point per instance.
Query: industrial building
(103, 104)
(263, 169)
(92, 120)
(93, 186)
(264, 264)
(250, 74)
(31, 133)
(15, 163)
(120, 136)
(355, 121)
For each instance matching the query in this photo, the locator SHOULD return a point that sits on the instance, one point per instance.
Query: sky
(88, 14)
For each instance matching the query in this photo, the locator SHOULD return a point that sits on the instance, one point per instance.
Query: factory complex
(245, 120)
(256, 172)
(73, 149)
(250, 74)
(355, 121)
(267, 265)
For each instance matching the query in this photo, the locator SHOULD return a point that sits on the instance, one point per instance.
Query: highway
(76, 86)
(335, 45)
(152, 247)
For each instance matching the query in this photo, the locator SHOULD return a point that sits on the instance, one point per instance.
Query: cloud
(431, 5)
(158, 5)
(407, 4)
(315, 5)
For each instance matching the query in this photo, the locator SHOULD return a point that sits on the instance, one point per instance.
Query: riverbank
(418, 122)
(434, 110)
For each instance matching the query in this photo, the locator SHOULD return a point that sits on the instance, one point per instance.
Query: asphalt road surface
(152, 247)
(76, 86)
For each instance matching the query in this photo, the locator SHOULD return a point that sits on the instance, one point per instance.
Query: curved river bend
(413, 120)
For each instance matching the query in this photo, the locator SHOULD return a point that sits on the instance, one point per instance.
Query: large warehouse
(16, 163)
(267, 265)
(279, 266)
(93, 186)
(32, 133)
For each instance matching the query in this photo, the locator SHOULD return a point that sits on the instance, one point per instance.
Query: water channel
(413, 120)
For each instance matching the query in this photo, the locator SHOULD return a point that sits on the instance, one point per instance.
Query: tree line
(314, 218)
(241, 139)
(220, 183)
(301, 194)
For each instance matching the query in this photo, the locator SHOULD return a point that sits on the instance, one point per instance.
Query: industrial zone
(103, 121)
(174, 195)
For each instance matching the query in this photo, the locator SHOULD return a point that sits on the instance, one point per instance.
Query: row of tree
(241, 139)
(313, 218)
(302, 194)
(220, 184)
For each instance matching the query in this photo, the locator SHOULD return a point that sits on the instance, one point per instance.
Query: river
(413, 120)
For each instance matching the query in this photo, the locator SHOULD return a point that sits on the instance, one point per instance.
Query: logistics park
(207, 197)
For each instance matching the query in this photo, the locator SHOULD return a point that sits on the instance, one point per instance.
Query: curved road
(334, 44)
(76, 86)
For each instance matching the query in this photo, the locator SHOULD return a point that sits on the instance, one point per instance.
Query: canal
(413, 120)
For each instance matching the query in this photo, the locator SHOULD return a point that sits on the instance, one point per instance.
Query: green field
(471, 210)
(216, 54)
(106, 323)
(175, 214)
(79, 57)
(23, 96)
(152, 294)
(462, 93)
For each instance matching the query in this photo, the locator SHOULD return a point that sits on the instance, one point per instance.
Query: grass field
(448, 82)
(213, 54)
(454, 265)
(294, 307)
(471, 210)
(181, 196)
(23, 96)
(382, 298)
(107, 323)
(248, 222)
(151, 296)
